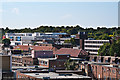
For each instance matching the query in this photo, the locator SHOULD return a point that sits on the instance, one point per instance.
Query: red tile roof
(72, 52)
(26, 48)
(22, 47)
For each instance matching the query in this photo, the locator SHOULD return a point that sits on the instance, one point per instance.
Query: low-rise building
(45, 75)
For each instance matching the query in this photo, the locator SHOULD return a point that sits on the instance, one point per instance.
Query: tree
(6, 42)
(72, 31)
(67, 41)
(110, 49)
(72, 41)
(104, 50)
(70, 65)
(7, 30)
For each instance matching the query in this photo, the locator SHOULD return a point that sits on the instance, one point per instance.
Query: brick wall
(100, 71)
(57, 64)
(27, 61)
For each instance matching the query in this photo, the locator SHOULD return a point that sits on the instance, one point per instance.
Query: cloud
(67, 16)
(15, 10)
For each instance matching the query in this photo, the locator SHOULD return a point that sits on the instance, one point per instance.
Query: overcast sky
(33, 14)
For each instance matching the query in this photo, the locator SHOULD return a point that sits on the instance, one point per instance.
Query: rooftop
(52, 75)
(71, 51)
(26, 48)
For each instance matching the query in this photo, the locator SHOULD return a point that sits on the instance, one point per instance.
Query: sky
(17, 15)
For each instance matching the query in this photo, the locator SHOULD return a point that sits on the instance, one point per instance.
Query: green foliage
(72, 41)
(110, 49)
(70, 65)
(6, 42)
(67, 41)
(104, 50)
(99, 33)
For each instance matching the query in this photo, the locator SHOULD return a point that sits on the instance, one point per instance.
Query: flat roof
(53, 75)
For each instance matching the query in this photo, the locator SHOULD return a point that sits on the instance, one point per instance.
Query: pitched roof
(22, 47)
(72, 52)
(26, 48)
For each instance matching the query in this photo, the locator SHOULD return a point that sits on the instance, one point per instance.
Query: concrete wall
(6, 62)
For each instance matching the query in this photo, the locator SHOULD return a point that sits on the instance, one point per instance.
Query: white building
(20, 38)
(92, 46)
(26, 38)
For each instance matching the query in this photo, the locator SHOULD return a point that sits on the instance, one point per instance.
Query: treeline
(99, 33)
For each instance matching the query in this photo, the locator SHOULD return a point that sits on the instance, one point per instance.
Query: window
(18, 38)
(104, 78)
(12, 38)
(67, 56)
(92, 59)
(41, 62)
(110, 78)
(14, 59)
(21, 60)
(99, 60)
(45, 63)
(106, 61)
(93, 68)
(104, 69)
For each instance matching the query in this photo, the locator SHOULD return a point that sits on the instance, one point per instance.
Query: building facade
(92, 46)
(29, 38)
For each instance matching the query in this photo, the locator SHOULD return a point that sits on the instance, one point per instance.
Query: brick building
(29, 61)
(102, 67)
(16, 60)
(29, 55)
(105, 59)
(59, 62)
